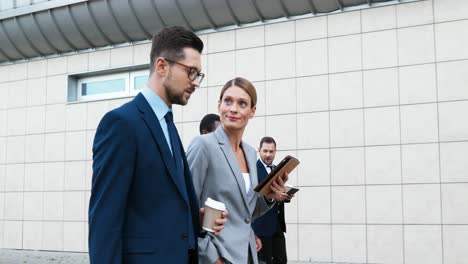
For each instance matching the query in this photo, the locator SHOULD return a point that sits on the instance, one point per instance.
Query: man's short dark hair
(208, 123)
(170, 43)
(267, 140)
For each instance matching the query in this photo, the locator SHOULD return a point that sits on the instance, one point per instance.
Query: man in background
(209, 123)
(270, 227)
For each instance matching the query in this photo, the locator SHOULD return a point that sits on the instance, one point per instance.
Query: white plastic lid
(215, 204)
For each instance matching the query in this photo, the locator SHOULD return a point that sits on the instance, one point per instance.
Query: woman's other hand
(258, 243)
(219, 223)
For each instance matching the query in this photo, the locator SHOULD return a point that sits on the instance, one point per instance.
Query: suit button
(246, 220)
(184, 236)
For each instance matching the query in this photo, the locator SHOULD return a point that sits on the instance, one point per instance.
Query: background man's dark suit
(271, 226)
(139, 213)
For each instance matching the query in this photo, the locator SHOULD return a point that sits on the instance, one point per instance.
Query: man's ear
(161, 66)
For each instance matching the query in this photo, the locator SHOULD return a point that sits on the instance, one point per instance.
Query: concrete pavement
(9, 256)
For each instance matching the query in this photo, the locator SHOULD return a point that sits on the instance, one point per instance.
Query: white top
(247, 181)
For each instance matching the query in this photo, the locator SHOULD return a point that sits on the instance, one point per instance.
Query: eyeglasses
(193, 73)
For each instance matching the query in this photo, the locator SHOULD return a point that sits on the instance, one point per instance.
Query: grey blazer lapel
(225, 146)
(251, 157)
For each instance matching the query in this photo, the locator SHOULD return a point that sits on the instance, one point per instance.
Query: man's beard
(172, 96)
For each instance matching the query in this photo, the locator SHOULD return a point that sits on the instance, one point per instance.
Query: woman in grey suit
(223, 168)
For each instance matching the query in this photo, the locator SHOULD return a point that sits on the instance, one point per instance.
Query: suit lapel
(156, 131)
(261, 171)
(225, 146)
(189, 183)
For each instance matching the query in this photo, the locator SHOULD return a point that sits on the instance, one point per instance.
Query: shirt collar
(264, 164)
(159, 107)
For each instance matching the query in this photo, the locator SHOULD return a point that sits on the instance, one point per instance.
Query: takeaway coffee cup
(213, 211)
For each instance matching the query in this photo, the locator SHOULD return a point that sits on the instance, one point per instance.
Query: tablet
(288, 164)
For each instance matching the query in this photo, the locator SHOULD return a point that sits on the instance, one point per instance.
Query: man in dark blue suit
(270, 227)
(143, 207)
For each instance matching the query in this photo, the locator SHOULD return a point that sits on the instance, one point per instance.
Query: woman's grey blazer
(216, 174)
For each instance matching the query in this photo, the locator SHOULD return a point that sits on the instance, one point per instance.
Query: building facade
(372, 100)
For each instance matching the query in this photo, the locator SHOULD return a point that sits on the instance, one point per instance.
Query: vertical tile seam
(86, 214)
(438, 134)
(297, 127)
(329, 143)
(44, 159)
(364, 136)
(400, 140)
(24, 158)
(63, 191)
(2, 239)
(4, 174)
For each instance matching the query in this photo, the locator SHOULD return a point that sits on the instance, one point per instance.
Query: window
(111, 85)
(138, 80)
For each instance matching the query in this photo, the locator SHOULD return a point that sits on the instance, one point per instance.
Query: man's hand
(278, 189)
(219, 223)
(258, 243)
(288, 200)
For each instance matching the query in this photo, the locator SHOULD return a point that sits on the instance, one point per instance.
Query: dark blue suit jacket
(138, 211)
(267, 224)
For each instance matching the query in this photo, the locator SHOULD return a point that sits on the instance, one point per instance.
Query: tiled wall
(373, 102)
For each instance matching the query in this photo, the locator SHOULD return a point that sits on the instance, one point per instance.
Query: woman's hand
(219, 261)
(219, 223)
(258, 243)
